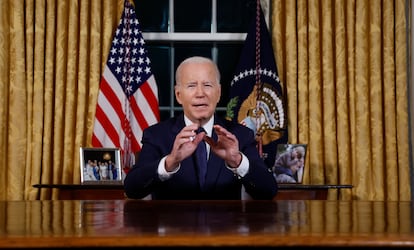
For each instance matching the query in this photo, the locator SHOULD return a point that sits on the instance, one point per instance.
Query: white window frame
(213, 36)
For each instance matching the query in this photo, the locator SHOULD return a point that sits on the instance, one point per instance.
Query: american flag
(128, 94)
(256, 96)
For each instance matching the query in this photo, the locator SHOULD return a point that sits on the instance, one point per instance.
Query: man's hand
(185, 144)
(226, 146)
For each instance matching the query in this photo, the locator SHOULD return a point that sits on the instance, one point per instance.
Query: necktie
(201, 155)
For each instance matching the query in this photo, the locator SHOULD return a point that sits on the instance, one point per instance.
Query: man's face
(198, 91)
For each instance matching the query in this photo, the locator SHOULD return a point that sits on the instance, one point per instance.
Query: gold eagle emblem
(263, 112)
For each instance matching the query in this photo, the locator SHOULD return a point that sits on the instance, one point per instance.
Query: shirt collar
(208, 127)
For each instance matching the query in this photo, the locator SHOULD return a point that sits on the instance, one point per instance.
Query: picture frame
(290, 163)
(100, 165)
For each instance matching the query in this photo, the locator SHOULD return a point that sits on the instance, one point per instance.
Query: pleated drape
(343, 65)
(344, 68)
(52, 54)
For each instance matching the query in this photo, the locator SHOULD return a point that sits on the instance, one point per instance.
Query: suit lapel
(178, 124)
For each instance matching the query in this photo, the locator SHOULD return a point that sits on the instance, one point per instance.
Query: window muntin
(176, 29)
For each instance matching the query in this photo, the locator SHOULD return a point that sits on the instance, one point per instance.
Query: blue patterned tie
(201, 154)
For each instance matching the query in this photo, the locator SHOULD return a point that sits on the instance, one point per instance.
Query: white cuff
(243, 168)
(162, 173)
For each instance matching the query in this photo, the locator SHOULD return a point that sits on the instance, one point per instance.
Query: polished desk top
(132, 223)
(117, 185)
(114, 191)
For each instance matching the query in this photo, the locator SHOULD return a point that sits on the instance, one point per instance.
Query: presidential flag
(256, 97)
(128, 95)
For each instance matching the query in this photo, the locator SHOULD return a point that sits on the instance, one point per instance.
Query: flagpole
(258, 80)
(126, 125)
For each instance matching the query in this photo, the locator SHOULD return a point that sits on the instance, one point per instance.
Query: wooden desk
(114, 191)
(306, 192)
(140, 223)
(87, 191)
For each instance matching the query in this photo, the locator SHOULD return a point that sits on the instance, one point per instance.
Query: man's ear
(177, 95)
(219, 95)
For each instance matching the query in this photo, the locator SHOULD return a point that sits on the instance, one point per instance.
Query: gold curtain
(343, 65)
(52, 53)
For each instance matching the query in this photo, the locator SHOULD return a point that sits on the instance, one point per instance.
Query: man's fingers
(199, 137)
(209, 140)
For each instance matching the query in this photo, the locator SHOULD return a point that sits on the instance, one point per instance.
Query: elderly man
(168, 168)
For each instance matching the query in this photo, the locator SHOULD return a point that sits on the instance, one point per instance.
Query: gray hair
(196, 59)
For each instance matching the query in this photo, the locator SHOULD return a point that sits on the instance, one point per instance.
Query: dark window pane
(221, 113)
(192, 15)
(184, 50)
(164, 115)
(227, 60)
(160, 62)
(235, 15)
(178, 112)
(152, 15)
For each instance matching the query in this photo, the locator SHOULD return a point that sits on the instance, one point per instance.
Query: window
(174, 30)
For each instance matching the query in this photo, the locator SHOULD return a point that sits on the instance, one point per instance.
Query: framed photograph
(290, 163)
(100, 165)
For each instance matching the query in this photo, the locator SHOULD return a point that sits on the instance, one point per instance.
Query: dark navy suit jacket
(221, 183)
